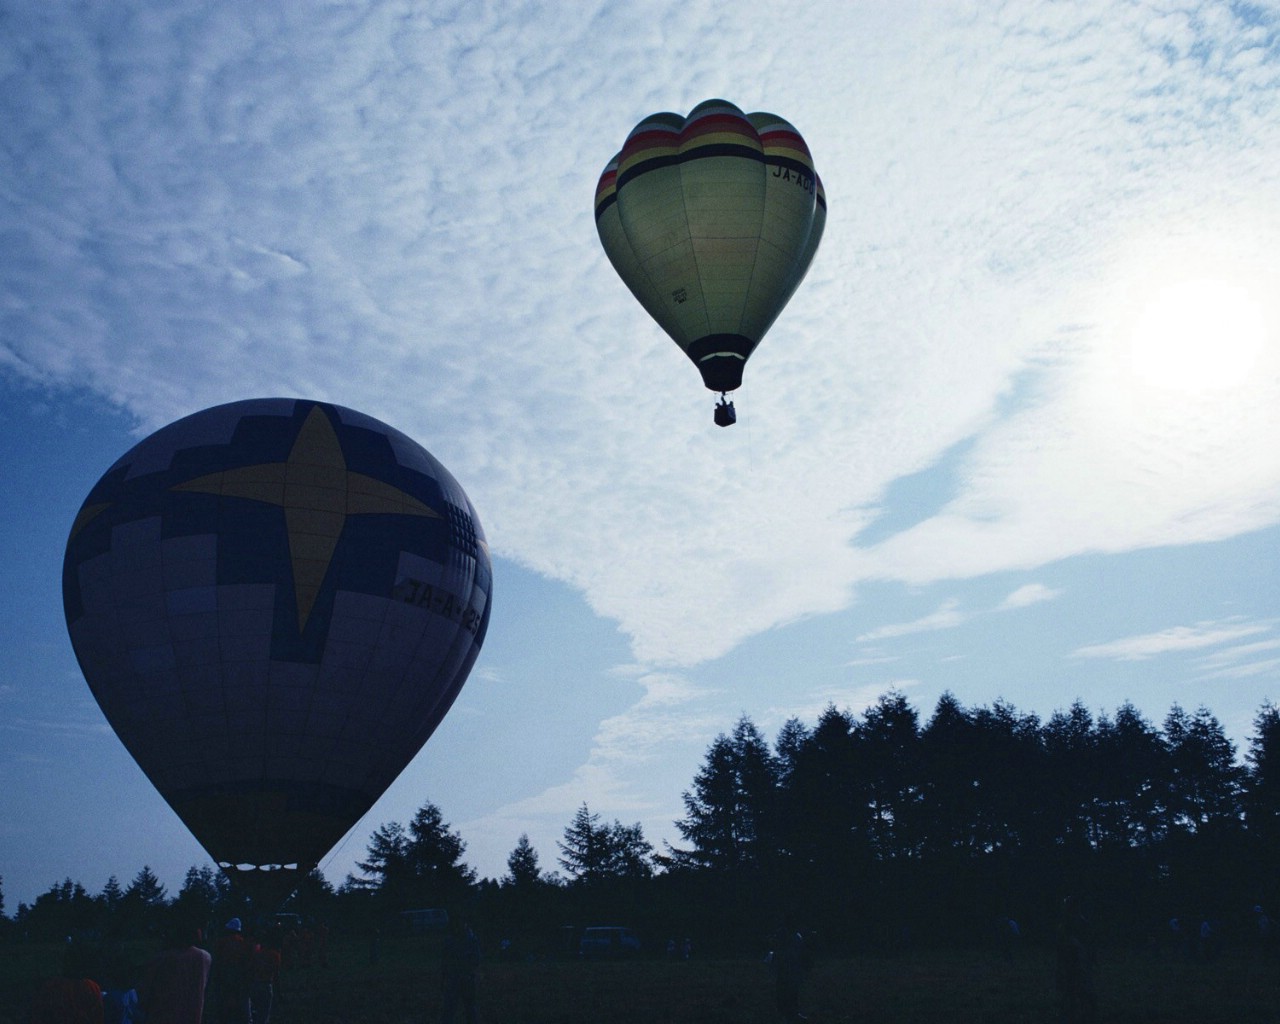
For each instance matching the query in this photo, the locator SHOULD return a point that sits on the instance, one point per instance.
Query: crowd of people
(234, 977)
(184, 983)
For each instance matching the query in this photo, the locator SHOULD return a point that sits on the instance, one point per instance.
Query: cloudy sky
(1017, 435)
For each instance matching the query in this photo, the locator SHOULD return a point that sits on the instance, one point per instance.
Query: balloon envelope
(275, 602)
(712, 221)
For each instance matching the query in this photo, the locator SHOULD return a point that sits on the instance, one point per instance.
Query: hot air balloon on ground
(712, 221)
(275, 602)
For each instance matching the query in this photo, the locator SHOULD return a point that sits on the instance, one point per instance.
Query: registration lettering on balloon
(440, 601)
(805, 181)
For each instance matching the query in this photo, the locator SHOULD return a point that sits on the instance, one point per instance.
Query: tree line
(874, 829)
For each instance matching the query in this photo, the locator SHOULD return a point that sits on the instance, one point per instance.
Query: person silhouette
(790, 961)
(459, 970)
(1076, 958)
(173, 984)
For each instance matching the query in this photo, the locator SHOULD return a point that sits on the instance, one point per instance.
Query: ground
(1240, 987)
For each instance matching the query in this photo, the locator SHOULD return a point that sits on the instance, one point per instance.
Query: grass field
(957, 988)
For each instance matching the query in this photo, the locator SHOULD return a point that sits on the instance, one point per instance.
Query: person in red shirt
(264, 972)
(173, 984)
(70, 998)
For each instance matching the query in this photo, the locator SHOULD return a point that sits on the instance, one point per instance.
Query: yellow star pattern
(317, 493)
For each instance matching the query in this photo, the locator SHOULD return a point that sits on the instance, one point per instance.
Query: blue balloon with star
(275, 602)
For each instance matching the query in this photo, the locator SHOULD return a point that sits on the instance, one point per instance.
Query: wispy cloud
(1175, 640)
(947, 616)
(396, 216)
(1242, 661)
(1025, 596)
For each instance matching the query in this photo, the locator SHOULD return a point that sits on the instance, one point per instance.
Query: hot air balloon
(275, 602)
(712, 221)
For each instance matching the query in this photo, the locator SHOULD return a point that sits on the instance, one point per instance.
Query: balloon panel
(794, 218)
(275, 602)
(711, 221)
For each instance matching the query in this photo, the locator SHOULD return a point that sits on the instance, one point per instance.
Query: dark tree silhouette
(823, 816)
(1262, 784)
(1204, 780)
(420, 866)
(730, 813)
(591, 852)
(581, 855)
(203, 889)
(888, 738)
(523, 872)
(869, 827)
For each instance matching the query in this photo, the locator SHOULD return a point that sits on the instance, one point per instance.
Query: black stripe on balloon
(607, 202)
(703, 152)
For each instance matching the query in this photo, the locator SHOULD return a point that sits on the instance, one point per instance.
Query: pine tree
(580, 850)
(523, 872)
(729, 813)
(420, 866)
(592, 852)
(145, 890)
(1262, 784)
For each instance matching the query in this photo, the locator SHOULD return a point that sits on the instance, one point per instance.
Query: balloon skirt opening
(720, 359)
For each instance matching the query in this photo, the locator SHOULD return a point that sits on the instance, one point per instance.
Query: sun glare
(1198, 335)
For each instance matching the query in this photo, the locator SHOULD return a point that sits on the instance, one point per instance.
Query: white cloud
(1243, 661)
(392, 211)
(1025, 596)
(1176, 639)
(947, 616)
(1250, 670)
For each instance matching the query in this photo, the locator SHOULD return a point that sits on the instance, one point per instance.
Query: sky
(1015, 436)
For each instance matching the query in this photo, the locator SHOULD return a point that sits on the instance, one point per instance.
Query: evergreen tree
(627, 853)
(729, 813)
(823, 808)
(145, 890)
(435, 856)
(1205, 783)
(420, 866)
(203, 888)
(64, 909)
(888, 738)
(314, 895)
(1011, 775)
(1072, 774)
(386, 863)
(1262, 781)
(523, 872)
(951, 787)
(112, 894)
(581, 854)
(592, 852)
(1132, 762)
(791, 740)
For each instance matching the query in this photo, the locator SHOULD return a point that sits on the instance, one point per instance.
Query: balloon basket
(725, 414)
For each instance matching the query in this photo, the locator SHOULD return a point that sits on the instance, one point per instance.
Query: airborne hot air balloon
(712, 221)
(275, 602)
